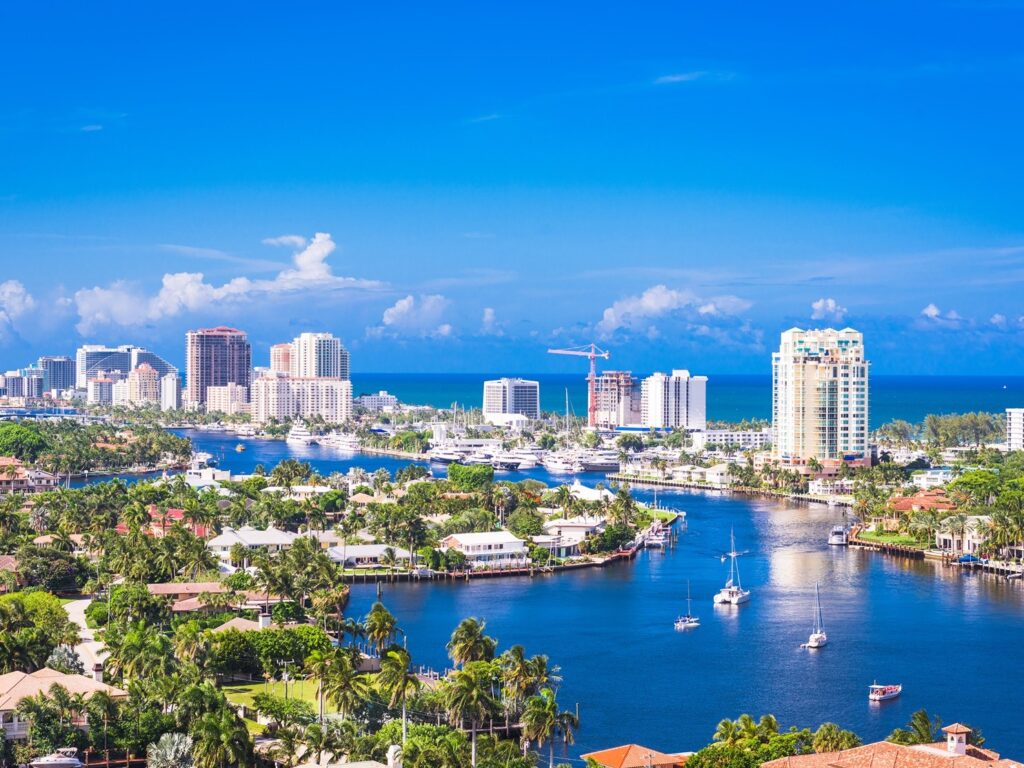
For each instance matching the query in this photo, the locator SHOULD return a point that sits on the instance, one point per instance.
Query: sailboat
(733, 592)
(818, 638)
(689, 621)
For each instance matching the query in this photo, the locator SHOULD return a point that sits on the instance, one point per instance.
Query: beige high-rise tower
(820, 395)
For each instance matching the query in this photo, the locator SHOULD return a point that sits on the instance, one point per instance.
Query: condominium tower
(820, 395)
(617, 396)
(317, 355)
(674, 401)
(215, 357)
(92, 360)
(1015, 429)
(507, 397)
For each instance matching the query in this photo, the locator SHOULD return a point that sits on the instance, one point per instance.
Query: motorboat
(505, 462)
(240, 448)
(445, 456)
(839, 536)
(878, 692)
(818, 638)
(599, 461)
(733, 592)
(562, 463)
(66, 757)
(299, 433)
(343, 441)
(689, 621)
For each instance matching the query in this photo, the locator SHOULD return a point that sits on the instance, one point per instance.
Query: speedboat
(62, 758)
(818, 638)
(878, 692)
(733, 592)
(689, 621)
(839, 536)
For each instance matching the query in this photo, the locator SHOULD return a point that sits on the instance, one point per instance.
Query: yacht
(343, 441)
(245, 430)
(62, 758)
(689, 621)
(562, 463)
(527, 459)
(878, 692)
(733, 592)
(505, 461)
(299, 433)
(478, 457)
(599, 461)
(445, 455)
(818, 638)
(839, 536)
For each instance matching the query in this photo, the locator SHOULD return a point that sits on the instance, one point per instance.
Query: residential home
(488, 549)
(8, 572)
(968, 541)
(16, 477)
(955, 752)
(560, 545)
(364, 555)
(270, 540)
(936, 477)
(586, 525)
(16, 686)
(636, 756)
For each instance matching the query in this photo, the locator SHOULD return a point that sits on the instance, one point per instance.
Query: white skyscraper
(170, 392)
(1015, 429)
(507, 397)
(318, 355)
(677, 400)
(282, 397)
(820, 395)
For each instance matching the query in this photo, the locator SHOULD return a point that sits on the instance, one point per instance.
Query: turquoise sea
(731, 397)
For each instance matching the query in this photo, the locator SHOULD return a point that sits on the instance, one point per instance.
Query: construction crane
(591, 352)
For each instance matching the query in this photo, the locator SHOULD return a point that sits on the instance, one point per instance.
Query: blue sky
(678, 181)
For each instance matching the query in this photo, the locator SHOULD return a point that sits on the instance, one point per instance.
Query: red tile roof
(931, 499)
(635, 756)
(884, 754)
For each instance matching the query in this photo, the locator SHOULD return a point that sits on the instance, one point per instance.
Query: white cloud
(931, 311)
(633, 312)
(122, 304)
(91, 128)
(488, 318)
(827, 309)
(998, 320)
(292, 241)
(680, 77)
(15, 301)
(414, 316)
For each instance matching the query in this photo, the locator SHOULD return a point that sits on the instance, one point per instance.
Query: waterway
(952, 639)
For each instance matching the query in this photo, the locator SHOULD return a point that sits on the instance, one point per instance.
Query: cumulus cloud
(998, 320)
(827, 309)
(15, 301)
(414, 316)
(936, 318)
(488, 322)
(123, 304)
(635, 312)
(931, 311)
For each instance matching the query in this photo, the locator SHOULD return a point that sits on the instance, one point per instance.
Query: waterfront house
(16, 686)
(364, 555)
(560, 545)
(967, 541)
(936, 477)
(586, 525)
(488, 549)
(270, 540)
(636, 756)
(15, 477)
(955, 752)
(931, 500)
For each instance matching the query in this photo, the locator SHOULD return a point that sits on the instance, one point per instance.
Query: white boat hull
(732, 597)
(817, 640)
(687, 622)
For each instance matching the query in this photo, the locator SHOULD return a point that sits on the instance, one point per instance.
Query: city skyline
(679, 181)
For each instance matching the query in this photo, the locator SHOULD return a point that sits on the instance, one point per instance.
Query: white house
(936, 477)
(17, 686)
(560, 545)
(364, 555)
(968, 541)
(270, 540)
(584, 525)
(492, 548)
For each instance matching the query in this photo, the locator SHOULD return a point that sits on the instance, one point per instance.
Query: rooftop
(635, 756)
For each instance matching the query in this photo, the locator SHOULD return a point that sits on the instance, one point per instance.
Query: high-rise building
(674, 401)
(170, 392)
(119, 393)
(617, 396)
(820, 395)
(228, 399)
(100, 391)
(144, 385)
(58, 372)
(317, 355)
(284, 397)
(90, 359)
(281, 358)
(507, 397)
(215, 357)
(1015, 429)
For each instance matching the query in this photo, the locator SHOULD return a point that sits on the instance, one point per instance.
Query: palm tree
(467, 696)
(922, 729)
(220, 740)
(345, 686)
(381, 626)
(397, 681)
(831, 738)
(727, 733)
(542, 721)
(173, 750)
(469, 643)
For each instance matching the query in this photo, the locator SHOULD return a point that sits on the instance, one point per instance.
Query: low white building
(230, 399)
(491, 548)
(743, 439)
(936, 477)
(364, 555)
(280, 398)
(565, 545)
(969, 540)
(382, 401)
(584, 525)
(270, 540)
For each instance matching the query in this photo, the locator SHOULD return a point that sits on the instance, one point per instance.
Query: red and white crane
(591, 352)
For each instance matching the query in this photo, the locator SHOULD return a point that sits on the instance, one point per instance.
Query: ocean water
(950, 637)
(731, 397)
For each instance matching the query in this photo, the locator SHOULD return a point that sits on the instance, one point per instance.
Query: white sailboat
(818, 638)
(689, 621)
(733, 592)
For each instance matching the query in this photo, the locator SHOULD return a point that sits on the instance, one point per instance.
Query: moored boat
(62, 758)
(733, 592)
(818, 638)
(878, 692)
(689, 621)
(839, 536)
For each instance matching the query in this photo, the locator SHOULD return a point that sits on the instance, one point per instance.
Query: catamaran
(818, 638)
(733, 592)
(878, 692)
(689, 621)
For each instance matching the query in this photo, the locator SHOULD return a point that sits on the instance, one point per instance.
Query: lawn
(297, 689)
(892, 538)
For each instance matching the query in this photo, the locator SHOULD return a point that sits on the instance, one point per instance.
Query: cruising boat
(62, 758)
(343, 441)
(839, 536)
(562, 464)
(505, 462)
(599, 461)
(878, 692)
(300, 434)
(689, 621)
(818, 638)
(733, 592)
(445, 456)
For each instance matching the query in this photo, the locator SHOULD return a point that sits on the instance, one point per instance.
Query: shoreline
(653, 482)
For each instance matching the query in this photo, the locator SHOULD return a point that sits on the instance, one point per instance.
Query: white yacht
(62, 758)
(839, 536)
(599, 461)
(527, 459)
(343, 441)
(733, 592)
(505, 461)
(445, 455)
(562, 463)
(818, 638)
(300, 434)
(689, 621)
